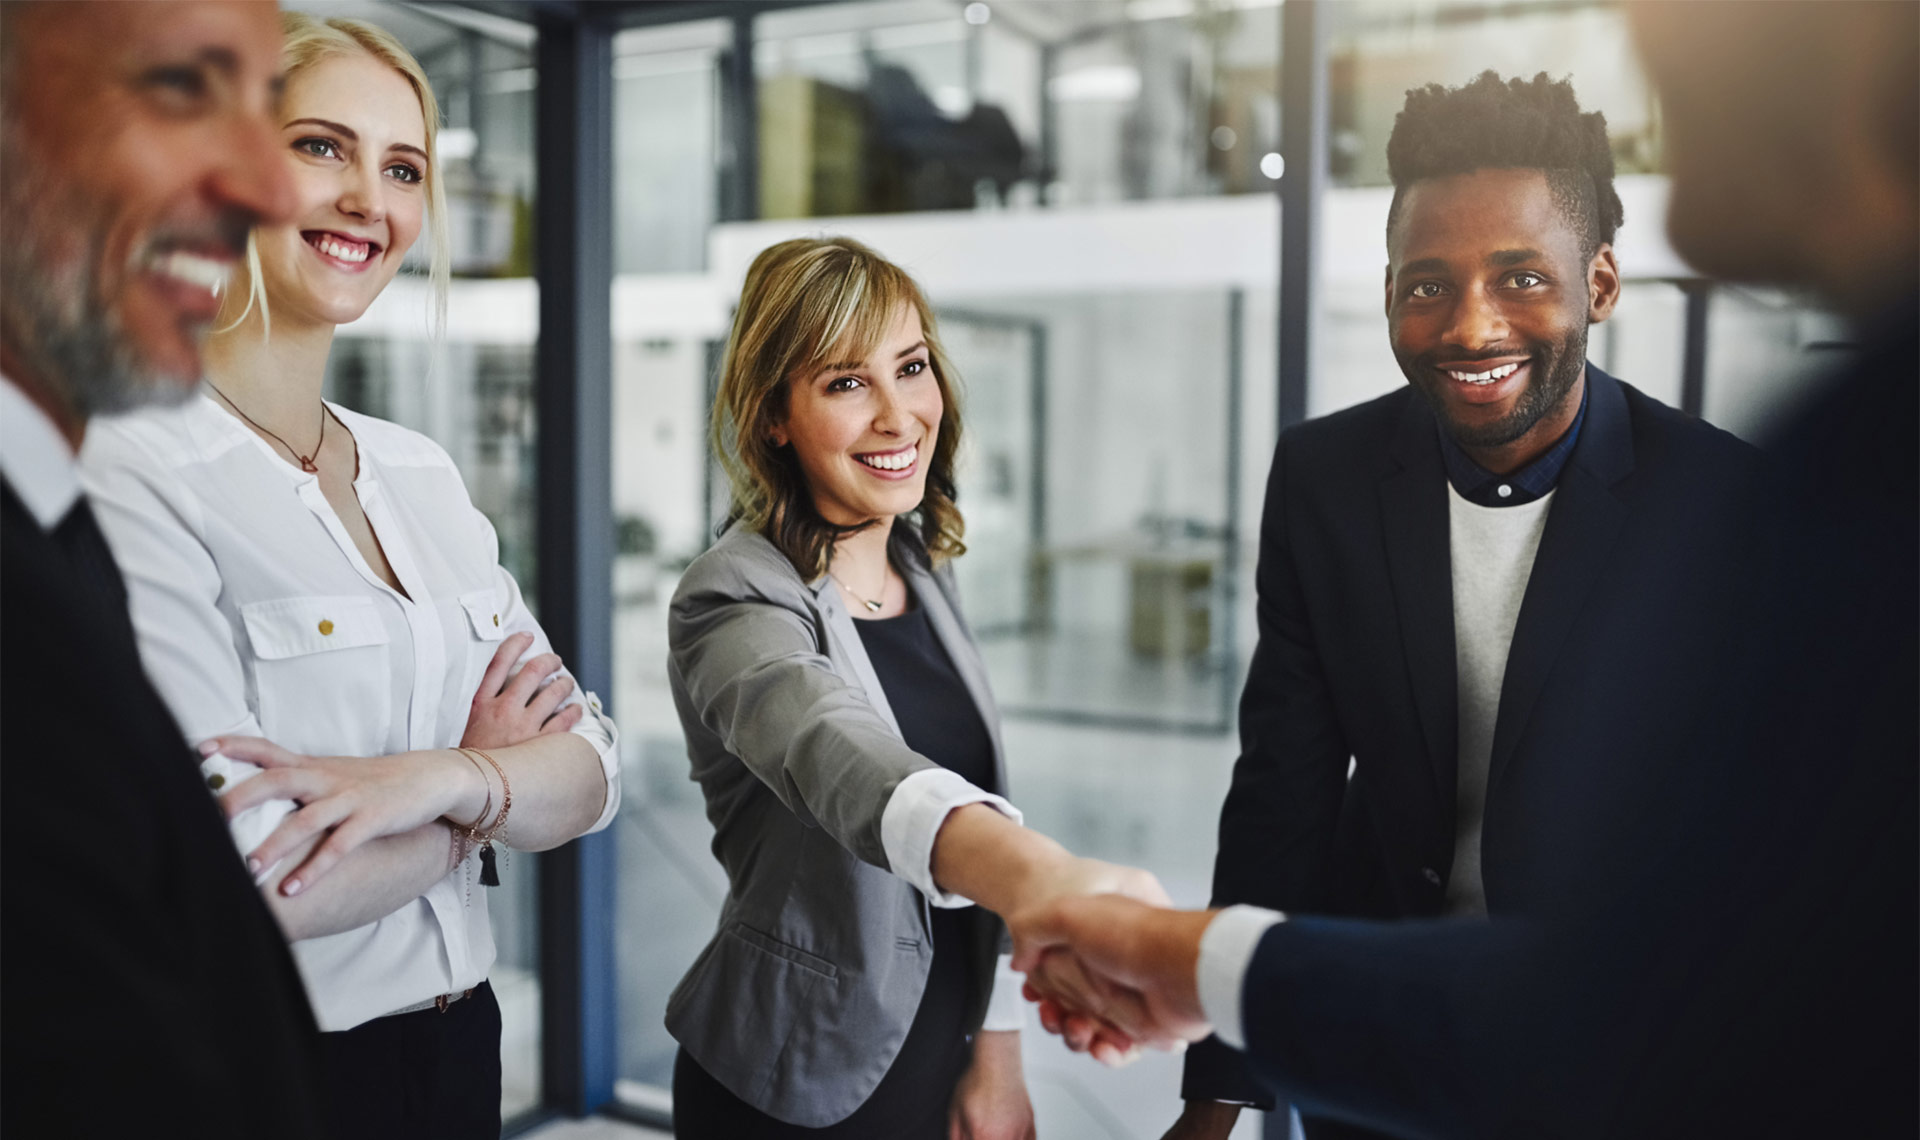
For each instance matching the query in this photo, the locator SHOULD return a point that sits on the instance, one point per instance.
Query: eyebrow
(1505, 257)
(352, 135)
(1425, 265)
(857, 365)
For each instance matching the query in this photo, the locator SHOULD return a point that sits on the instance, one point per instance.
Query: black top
(939, 720)
(139, 954)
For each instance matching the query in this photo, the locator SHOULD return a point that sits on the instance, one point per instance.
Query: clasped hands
(1112, 973)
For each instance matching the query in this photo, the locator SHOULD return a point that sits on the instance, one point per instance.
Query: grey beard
(54, 320)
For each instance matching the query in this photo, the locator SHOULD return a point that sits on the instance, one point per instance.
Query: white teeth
(342, 251)
(897, 461)
(206, 272)
(1488, 377)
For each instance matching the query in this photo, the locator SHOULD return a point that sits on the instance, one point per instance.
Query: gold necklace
(306, 461)
(872, 606)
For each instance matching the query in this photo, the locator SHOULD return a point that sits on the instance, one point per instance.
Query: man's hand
(513, 707)
(1141, 959)
(990, 1102)
(1204, 1120)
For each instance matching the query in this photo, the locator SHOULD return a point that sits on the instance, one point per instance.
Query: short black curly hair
(1491, 123)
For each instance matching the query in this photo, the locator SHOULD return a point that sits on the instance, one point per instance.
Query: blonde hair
(309, 40)
(807, 302)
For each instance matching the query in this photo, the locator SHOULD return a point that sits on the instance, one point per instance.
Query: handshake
(1114, 970)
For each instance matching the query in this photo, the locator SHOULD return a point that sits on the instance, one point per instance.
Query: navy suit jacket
(1623, 615)
(1744, 961)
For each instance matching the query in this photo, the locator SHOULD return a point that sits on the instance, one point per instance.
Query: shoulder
(1357, 436)
(1668, 438)
(392, 444)
(741, 566)
(158, 439)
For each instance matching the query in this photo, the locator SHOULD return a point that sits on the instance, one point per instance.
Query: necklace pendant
(872, 607)
(307, 465)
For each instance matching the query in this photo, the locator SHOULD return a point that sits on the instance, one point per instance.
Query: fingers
(272, 784)
(495, 678)
(251, 749)
(296, 829)
(549, 697)
(564, 720)
(527, 681)
(338, 845)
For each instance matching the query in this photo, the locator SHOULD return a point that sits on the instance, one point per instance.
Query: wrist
(469, 788)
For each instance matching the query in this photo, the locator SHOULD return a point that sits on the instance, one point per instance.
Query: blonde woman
(305, 575)
(840, 724)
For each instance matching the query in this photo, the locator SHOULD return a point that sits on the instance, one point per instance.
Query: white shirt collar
(35, 458)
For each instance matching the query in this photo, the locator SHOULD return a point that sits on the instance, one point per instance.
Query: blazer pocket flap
(294, 627)
(483, 614)
(791, 954)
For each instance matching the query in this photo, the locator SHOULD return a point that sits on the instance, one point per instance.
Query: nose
(890, 414)
(1477, 322)
(360, 195)
(254, 180)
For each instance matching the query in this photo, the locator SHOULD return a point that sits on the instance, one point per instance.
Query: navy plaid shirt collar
(1483, 488)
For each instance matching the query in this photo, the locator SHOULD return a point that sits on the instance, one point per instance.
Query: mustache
(1441, 359)
(225, 233)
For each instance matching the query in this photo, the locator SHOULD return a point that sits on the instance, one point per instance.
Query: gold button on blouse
(326, 628)
(216, 782)
(496, 619)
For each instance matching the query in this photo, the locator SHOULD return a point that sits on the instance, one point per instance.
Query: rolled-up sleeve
(595, 726)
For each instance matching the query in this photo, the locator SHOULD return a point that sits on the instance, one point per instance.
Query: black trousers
(416, 1076)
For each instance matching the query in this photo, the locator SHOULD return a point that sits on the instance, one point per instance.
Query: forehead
(876, 339)
(81, 46)
(1463, 217)
(361, 92)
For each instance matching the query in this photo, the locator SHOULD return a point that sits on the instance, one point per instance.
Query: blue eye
(403, 172)
(318, 147)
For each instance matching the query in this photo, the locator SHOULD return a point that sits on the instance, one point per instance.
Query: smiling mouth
(1490, 376)
(195, 270)
(340, 248)
(891, 460)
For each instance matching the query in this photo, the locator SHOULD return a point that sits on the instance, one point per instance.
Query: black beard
(1556, 368)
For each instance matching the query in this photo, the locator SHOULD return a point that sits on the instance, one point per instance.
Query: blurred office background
(1091, 193)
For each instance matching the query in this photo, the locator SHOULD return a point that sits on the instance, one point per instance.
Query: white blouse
(257, 615)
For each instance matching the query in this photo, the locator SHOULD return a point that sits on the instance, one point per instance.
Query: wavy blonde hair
(309, 40)
(807, 302)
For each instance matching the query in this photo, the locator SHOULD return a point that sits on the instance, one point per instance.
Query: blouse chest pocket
(322, 675)
(485, 627)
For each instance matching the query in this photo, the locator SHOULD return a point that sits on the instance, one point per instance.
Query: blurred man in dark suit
(1478, 586)
(145, 983)
(1754, 967)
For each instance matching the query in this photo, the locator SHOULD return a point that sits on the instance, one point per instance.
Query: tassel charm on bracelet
(489, 869)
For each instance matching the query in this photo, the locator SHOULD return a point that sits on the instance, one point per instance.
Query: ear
(1603, 285)
(777, 435)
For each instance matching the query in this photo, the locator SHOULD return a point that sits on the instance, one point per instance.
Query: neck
(72, 425)
(276, 380)
(860, 560)
(1509, 457)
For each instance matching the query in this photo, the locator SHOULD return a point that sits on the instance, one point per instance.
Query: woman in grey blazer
(839, 722)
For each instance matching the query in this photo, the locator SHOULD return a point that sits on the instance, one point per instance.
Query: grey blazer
(802, 999)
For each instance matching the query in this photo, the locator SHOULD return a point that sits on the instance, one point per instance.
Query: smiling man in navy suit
(1479, 587)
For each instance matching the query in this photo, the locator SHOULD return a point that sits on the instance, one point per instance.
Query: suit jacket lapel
(1413, 508)
(1582, 525)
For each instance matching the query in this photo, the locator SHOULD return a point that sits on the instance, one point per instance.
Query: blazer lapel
(1413, 509)
(1582, 525)
(840, 627)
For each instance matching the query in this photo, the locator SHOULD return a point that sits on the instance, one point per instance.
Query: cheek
(406, 217)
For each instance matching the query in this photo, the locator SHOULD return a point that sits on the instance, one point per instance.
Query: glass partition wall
(1086, 190)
